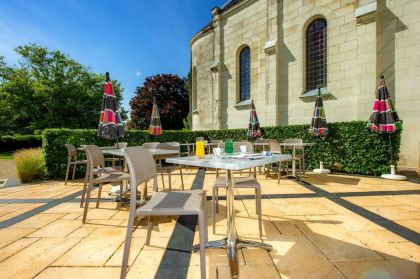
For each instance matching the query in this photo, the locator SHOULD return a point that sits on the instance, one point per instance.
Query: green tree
(172, 99)
(48, 89)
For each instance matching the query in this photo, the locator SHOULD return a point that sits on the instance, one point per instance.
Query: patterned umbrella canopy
(110, 124)
(155, 127)
(254, 129)
(384, 118)
(319, 123)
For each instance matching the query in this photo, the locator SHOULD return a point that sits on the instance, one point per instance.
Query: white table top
(209, 161)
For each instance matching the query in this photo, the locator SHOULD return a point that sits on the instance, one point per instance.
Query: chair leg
(258, 198)
(89, 190)
(127, 244)
(213, 209)
(82, 199)
(149, 230)
(217, 199)
(217, 173)
(170, 181)
(67, 172)
(202, 228)
(182, 179)
(74, 170)
(163, 180)
(99, 195)
(279, 173)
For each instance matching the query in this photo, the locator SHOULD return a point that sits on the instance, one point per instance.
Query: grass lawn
(6, 156)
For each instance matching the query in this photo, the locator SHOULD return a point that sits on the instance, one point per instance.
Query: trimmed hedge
(12, 143)
(349, 148)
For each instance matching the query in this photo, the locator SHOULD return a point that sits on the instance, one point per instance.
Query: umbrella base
(321, 169)
(394, 176)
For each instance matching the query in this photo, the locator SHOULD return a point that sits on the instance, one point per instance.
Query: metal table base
(232, 242)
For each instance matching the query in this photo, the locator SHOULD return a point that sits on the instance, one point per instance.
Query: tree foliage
(172, 99)
(48, 89)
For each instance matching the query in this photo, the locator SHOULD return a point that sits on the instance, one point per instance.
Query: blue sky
(132, 39)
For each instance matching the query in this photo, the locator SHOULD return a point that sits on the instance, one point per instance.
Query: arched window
(316, 54)
(194, 89)
(244, 74)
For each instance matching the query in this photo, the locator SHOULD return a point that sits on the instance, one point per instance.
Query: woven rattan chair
(275, 148)
(240, 182)
(72, 161)
(99, 175)
(142, 168)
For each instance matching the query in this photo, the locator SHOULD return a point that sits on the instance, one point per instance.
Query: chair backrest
(274, 146)
(94, 156)
(262, 140)
(141, 166)
(120, 144)
(216, 141)
(71, 150)
(294, 140)
(150, 145)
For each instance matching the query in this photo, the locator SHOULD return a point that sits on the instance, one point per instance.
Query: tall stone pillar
(217, 68)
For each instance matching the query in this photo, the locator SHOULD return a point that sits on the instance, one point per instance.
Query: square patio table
(230, 164)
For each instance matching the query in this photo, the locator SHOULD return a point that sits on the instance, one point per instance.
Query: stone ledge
(314, 92)
(243, 104)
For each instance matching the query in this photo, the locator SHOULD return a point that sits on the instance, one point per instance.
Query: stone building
(277, 52)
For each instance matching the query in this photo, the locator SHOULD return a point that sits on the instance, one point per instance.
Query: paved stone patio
(332, 226)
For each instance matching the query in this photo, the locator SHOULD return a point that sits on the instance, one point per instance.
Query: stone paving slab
(312, 233)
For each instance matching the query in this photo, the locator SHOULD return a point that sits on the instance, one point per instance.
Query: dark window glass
(316, 54)
(245, 74)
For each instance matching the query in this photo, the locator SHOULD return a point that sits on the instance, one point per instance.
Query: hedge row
(350, 147)
(12, 143)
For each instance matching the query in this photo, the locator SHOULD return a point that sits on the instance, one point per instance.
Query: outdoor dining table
(294, 146)
(231, 163)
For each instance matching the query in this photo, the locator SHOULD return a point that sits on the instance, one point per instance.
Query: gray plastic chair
(96, 161)
(275, 148)
(142, 168)
(168, 169)
(150, 145)
(301, 148)
(72, 161)
(240, 182)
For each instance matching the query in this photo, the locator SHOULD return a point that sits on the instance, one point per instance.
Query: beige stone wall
(398, 45)
(202, 57)
(359, 50)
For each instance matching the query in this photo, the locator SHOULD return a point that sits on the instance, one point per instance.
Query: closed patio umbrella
(155, 128)
(319, 128)
(110, 124)
(384, 120)
(254, 129)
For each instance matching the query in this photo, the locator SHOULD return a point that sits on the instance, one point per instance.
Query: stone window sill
(314, 92)
(243, 103)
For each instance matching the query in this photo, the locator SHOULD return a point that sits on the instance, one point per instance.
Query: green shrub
(30, 164)
(12, 143)
(350, 147)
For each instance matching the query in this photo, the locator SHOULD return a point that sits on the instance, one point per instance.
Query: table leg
(231, 234)
(294, 162)
(232, 243)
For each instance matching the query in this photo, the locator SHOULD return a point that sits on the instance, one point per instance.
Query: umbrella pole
(393, 174)
(321, 169)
